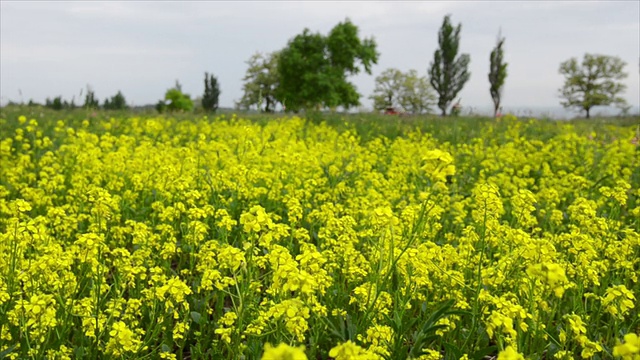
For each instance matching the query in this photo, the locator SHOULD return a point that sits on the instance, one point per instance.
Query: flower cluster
(153, 237)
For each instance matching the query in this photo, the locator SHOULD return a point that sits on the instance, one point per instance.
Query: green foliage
(261, 82)
(211, 93)
(416, 95)
(595, 82)
(497, 74)
(313, 68)
(387, 90)
(58, 104)
(161, 106)
(117, 102)
(90, 100)
(175, 100)
(407, 90)
(55, 104)
(448, 71)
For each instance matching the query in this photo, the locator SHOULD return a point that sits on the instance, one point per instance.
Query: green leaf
(196, 317)
(7, 351)
(482, 353)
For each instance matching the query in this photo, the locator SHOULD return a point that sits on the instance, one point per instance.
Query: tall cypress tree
(448, 71)
(211, 93)
(90, 100)
(497, 74)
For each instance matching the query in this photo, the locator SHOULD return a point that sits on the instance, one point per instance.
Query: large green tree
(314, 69)
(448, 71)
(211, 95)
(497, 74)
(595, 82)
(261, 82)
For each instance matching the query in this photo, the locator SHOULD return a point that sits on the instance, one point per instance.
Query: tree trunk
(268, 106)
(587, 113)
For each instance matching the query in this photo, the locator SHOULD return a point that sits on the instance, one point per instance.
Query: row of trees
(116, 102)
(174, 99)
(312, 72)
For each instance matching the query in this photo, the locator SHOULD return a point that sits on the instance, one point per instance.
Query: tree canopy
(314, 69)
(175, 100)
(261, 82)
(117, 102)
(211, 95)
(90, 99)
(406, 90)
(497, 74)
(448, 71)
(595, 82)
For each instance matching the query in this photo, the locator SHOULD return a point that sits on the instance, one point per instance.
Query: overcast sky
(141, 48)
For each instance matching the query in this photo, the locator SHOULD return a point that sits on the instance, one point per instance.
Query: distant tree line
(312, 71)
(116, 102)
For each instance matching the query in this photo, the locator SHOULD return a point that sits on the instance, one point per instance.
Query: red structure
(391, 111)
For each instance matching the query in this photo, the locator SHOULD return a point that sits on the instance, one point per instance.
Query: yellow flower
(510, 354)
(618, 300)
(283, 352)
(630, 349)
(351, 351)
(438, 165)
(122, 340)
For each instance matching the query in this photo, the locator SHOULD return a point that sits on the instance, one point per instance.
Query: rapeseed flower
(289, 230)
(283, 352)
(122, 340)
(629, 349)
(509, 353)
(350, 351)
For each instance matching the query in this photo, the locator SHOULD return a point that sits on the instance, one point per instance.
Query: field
(193, 237)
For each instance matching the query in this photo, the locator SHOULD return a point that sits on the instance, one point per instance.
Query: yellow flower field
(158, 238)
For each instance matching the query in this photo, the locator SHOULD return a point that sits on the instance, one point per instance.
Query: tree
(407, 90)
(387, 91)
(261, 82)
(497, 74)
(313, 68)
(90, 100)
(175, 100)
(117, 102)
(595, 82)
(55, 104)
(161, 106)
(416, 95)
(448, 72)
(211, 93)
